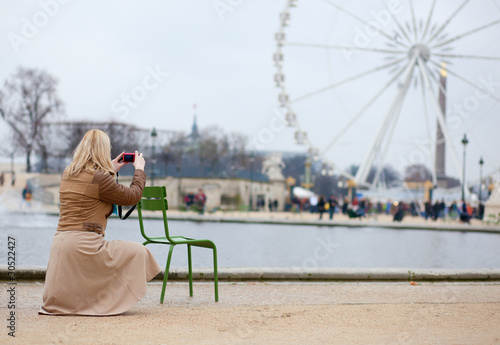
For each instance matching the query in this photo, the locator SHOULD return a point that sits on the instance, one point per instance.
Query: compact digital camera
(127, 158)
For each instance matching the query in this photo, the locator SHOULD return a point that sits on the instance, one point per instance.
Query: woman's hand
(118, 165)
(139, 162)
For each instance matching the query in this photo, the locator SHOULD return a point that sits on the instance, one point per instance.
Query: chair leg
(165, 277)
(190, 271)
(216, 277)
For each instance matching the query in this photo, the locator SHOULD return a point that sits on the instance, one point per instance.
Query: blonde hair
(93, 153)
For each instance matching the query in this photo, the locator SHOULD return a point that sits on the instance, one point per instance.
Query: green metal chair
(154, 199)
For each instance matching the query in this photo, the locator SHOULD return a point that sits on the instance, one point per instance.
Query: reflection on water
(263, 245)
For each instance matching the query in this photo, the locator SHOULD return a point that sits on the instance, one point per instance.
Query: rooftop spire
(194, 129)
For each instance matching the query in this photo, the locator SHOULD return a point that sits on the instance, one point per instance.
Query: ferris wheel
(357, 70)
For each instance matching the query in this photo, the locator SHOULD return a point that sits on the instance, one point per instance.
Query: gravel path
(275, 313)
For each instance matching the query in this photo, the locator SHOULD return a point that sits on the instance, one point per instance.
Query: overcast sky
(146, 63)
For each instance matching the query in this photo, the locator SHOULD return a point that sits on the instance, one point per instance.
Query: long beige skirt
(87, 275)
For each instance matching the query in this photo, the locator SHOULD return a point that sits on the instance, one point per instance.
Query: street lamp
(464, 142)
(481, 162)
(250, 203)
(153, 160)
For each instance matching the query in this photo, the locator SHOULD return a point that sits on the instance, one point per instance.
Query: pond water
(264, 245)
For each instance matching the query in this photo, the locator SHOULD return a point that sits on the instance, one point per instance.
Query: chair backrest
(153, 199)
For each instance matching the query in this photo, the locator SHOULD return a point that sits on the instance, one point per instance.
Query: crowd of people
(198, 200)
(361, 207)
(271, 204)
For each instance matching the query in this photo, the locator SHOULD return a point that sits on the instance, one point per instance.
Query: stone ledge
(301, 274)
(430, 226)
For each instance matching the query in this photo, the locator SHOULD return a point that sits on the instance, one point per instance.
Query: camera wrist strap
(129, 212)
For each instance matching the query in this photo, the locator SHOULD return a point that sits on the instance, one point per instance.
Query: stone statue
(492, 206)
(272, 166)
(495, 193)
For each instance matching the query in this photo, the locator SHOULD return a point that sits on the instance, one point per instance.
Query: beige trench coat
(87, 275)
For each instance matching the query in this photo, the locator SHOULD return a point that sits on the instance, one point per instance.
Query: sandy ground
(276, 313)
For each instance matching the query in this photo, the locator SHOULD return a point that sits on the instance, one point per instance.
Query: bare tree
(73, 133)
(390, 176)
(174, 148)
(9, 148)
(123, 137)
(325, 185)
(417, 173)
(212, 147)
(295, 166)
(237, 151)
(50, 143)
(28, 99)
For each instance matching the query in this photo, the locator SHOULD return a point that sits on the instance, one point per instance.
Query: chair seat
(182, 240)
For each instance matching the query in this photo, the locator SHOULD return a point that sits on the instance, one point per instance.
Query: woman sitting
(87, 275)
